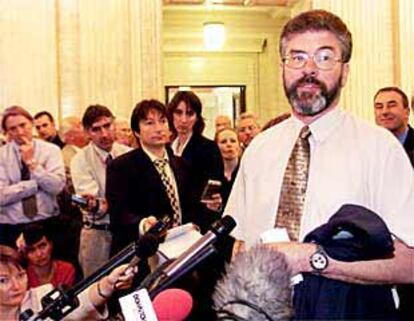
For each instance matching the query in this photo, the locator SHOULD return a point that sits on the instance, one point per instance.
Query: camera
(212, 187)
(83, 202)
(79, 200)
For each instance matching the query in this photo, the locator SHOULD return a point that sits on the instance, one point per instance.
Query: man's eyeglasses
(324, 59)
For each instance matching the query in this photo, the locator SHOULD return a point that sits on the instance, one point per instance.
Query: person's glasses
(324, 59)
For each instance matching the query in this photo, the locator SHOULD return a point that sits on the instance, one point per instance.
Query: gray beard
(309, 104)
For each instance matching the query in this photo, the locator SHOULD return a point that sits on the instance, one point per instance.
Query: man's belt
(100, 227)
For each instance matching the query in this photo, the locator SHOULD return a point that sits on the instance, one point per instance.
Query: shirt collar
(323, 127)
(174, 145)
(103, 154)
(16, 147)
(403, 136)
(153, 157)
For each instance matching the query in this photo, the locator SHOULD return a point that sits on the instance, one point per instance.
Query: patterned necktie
(292, 195)
(29, 204)
(161, 164)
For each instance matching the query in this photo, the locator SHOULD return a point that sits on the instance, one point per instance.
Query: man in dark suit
(138, 190)
(392, 111)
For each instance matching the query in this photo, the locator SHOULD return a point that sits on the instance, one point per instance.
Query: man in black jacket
(392, 111)
(135, 189)
(150, 182)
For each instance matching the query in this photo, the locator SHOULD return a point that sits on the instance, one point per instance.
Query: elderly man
(247, 128)
(74, 137)
(123, 133)
(222, 121)
(392, 111)
(31, 176)
(297, 174)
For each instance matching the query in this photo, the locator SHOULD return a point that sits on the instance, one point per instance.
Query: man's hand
(27, 152)
(149, 222)
(239, 246)
(297, 254)
(215, 203)
(96, 204)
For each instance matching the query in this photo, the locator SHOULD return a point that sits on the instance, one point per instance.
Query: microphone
(172, 305)
(256, 286)
(166, 274)
(169, 305)
(156, 233)
(58, 303)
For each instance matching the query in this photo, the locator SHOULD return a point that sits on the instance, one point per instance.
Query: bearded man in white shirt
(351, 162)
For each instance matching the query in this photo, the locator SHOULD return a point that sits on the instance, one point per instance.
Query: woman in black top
(202, 154)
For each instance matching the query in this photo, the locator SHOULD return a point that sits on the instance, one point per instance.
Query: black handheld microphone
(202, 248)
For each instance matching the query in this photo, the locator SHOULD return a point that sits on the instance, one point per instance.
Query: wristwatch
(319, 260)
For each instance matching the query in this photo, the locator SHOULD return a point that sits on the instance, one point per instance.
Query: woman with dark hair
(42, 268)
(15, 298)
(201, 153)
(205, 163)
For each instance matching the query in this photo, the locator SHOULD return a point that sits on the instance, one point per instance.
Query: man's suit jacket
(409, 144)
(406, 291)
(134, 190)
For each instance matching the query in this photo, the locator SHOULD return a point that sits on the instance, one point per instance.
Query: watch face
(319, 261)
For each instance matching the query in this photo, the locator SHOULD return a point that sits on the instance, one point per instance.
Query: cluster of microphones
(246, 292)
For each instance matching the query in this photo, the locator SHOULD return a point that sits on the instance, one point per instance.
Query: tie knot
(160, 163)
(305, 132)
(108, 159)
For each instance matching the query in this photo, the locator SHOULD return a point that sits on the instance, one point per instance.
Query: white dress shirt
(179, 149)
(88, 170)
(351, 162)
(46, 181)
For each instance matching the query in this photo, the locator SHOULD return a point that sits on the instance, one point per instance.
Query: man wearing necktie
(297, 174)
(149, 182)
(88, 170)
(31, 175)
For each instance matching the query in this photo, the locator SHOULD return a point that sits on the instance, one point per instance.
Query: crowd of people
(72, 197)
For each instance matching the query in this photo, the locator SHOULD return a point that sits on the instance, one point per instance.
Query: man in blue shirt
(31, 175)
